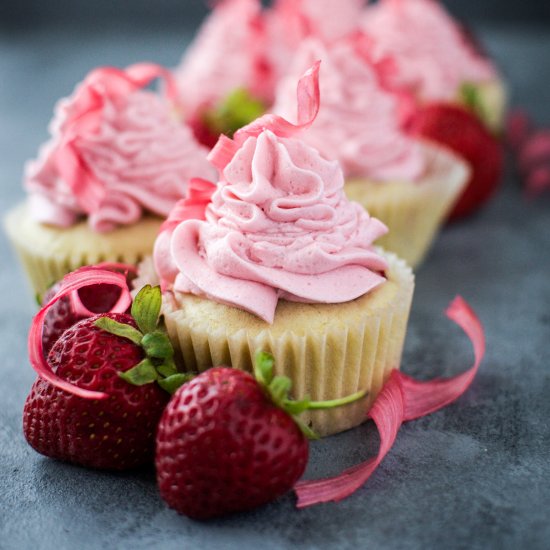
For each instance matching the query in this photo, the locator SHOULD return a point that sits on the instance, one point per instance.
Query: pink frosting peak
(227, 54)
(433, 56)
(359, 122)
(278, 226)
(289, 22)
(116, 151)
(327, 20)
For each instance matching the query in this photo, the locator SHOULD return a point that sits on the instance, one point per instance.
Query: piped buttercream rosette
(278, 224)
(360, 119)
(227, 54)
(116, 151)
(432, 55)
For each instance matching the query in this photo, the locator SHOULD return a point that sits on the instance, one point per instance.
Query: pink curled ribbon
(71, 283)
(84, 116)
(308, 96)
(402, 399)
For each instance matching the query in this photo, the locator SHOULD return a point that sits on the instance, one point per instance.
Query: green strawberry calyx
(472, 99)
(237, 110)
(158, 364)
(278, 388)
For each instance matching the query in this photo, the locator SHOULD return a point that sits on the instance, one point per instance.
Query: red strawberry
(98, 298)
(227, 443)
(59, 319)
(120, 356)
(236, 110)
(462, 132)
(203, 134)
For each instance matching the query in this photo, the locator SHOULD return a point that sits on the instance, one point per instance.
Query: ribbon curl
(308, 106)
(402, 399)
(71, 283)
(84, 116)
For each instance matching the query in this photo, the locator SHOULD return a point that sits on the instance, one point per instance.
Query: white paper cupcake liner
(48, 253)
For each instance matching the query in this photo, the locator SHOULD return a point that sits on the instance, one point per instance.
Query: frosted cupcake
(117, 162)
(408, 184)
(435, 59)
(224, 78)
(281, 261)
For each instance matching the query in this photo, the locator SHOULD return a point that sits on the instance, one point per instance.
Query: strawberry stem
(278, 387)
(320, 405)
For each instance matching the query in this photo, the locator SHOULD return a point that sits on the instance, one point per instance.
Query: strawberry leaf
(279, 388)
(146, 308)
(143, 373)
(470, 96)
(167, 369)
(263, 368)
(306, 430)
(119, 329)
(157, 344)
(172, 383)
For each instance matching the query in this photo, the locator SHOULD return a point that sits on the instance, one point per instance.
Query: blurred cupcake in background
(224, 79)
(407, 183)
(117, 161)
(461, 97)
(435, 58)
(289, 22)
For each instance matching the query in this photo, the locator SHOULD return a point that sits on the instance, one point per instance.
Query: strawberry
(98, 298)
(461, 131)
(118, 356)
(228, 442)
(238, 109)
(59, 319)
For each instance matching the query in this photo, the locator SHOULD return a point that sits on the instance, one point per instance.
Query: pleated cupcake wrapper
(352, 355)
(413, 211)
(47, 254)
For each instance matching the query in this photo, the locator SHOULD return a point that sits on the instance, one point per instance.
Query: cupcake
(408, 184)
(435, 57)
(280, 260)
(117, 161)
(224, 79)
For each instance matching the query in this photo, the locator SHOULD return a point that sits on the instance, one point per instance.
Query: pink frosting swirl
(115, 152)
(432, 55)
(289, 22)
(227, 54)
(279, 225)
(359, 120)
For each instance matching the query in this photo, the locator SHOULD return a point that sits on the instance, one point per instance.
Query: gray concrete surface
(475, 475)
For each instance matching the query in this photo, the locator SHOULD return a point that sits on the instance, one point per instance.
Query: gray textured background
(475, 475)
(162, 13)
